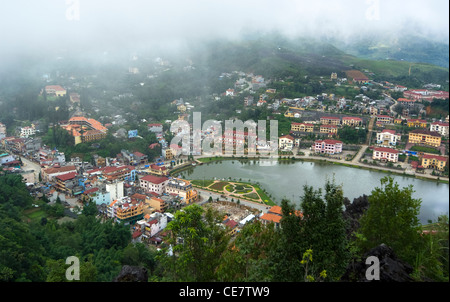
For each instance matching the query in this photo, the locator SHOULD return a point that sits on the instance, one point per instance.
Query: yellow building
(352, 121)
(432, 161)
(328, 129)
(55, 90)
(330, 120)
(182, 188)
(302, 127)
(426, 137)
(416, 123)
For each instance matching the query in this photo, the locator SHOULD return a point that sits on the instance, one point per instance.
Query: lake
(286, 180)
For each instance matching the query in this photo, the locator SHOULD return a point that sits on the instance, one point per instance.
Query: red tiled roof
(329, 141)
(432, 156)
(67, 176)
(385, 149)
(154, 179)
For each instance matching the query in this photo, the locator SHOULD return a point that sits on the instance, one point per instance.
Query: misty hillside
(275, 56)
(412, 48)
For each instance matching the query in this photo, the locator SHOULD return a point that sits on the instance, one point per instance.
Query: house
(385, 154)
(440, 127)
(50, 173)
(6, 158)
(328, 146)
(286, 142)
(27, 131)
(416, 123)
(155, 127)
(433, 161)
(125, 211)
(327, 120)
(388, 138)
(302, 127)
(406, 102)
(424, 136)
(152, 183)
(183, 189)
(352, 121)
(384, 119)
(158, 170)
(55, 90)
(329, 129)
(274, 216)
(232, 227)
(66, 182)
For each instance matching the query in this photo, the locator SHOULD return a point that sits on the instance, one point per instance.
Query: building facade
(385, 154)
(327, 146)
(425, 137)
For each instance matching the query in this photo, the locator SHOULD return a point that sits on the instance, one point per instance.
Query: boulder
(132, 274)
(391, 269)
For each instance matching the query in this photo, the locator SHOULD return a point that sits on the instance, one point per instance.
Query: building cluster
(85, 129)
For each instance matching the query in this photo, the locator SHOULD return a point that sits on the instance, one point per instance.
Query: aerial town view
(223, 141)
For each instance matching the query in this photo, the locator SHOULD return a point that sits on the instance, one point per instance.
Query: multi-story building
(384, 119)
(385, 154)
(85, 129)
(440, 127)
(328, 146)
(286, 142)
(330, 120)
(416, 123)
(388, 138)
(125, 210)
(152, 183)
(66, 182)
(425, 137)
(55, 90)
(333, 129)
(352, 121)
(27, 131)
(50, 173)
(432, 161)
(302, 127)
(183, 189)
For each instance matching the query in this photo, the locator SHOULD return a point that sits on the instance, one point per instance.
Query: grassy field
(34, 214)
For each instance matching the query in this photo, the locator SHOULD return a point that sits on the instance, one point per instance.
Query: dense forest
(316, 242)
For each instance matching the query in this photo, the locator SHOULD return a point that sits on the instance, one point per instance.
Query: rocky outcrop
(353, 212)
(391, 269)
(132, 274)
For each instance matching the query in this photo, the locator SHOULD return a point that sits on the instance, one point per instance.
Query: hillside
(277, 57)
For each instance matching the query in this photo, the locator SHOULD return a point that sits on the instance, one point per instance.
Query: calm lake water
(286, 180)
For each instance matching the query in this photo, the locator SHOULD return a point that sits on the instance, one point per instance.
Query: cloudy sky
(29, 24)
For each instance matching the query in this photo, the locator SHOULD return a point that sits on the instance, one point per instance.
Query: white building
(440, 127)
(286, 142)
(115, 190)
(388, 138)
(27, 131)
(385, 154)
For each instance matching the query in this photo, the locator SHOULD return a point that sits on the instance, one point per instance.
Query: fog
(47, 25)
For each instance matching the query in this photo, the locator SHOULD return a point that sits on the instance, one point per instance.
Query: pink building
(329, 146)
(385, 154)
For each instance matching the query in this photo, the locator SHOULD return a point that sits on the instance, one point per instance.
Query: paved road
(31, 167)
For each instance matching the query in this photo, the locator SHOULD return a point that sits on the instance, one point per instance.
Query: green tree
(196, 258)
(391, 219)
